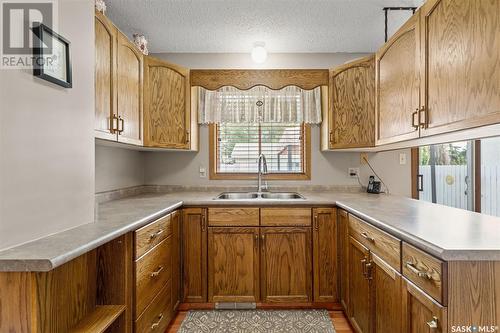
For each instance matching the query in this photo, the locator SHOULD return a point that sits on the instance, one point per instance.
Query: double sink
(259, 195)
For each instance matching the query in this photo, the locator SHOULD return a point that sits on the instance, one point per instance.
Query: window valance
(259, 104)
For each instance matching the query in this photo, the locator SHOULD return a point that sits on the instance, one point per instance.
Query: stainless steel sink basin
(256, 195)
(281, 195)
(237, 196)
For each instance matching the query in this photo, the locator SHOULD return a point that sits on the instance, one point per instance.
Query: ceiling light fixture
(259, 52)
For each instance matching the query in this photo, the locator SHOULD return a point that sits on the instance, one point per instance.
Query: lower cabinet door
(286, 267)
(194, 255)
(233, 264)
(387, 310)
(359, 287)
(325, 254)
(176, 259)
(343, 226)
(421, 314)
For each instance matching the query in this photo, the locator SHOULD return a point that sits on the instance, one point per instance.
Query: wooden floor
(339, 322)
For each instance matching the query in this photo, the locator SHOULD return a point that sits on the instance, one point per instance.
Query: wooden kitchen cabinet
(460, 43)
(233, 264)
(343, 246)
(360, 297)
(351, 114)
(286, 264)
(325, 261)
(420, 312)
(194, 254)
(386, 284)
(129, 67)
(105, 119)
(398, 85)
(167, 105)
(118, 85)
(175, 220)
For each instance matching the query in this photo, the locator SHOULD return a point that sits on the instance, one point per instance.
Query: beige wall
(46, 140)
(117, 168)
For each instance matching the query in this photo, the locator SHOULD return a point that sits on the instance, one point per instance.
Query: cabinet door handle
(187, 136)
(156, 234)
(157, 323)
(256, 240)
(121, 122)
(367, 237)
(203, 223)
(157, 272)
(414, 120)
(331, 137)
(316, 224)
(416, 271)
(113, 124)
(363, 266)
(422, 117)
(433, 324)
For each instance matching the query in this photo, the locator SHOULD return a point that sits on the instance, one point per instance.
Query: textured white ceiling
(289, 26)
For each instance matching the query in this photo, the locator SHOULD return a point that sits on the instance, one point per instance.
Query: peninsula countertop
(445, 232)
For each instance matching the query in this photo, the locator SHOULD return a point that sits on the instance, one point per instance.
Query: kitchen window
(247, 123)
(235, 148)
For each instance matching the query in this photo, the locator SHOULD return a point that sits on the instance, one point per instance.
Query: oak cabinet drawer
(158, 314)
(233, 217)
(152, 234)
(285, 217)
(387, 247)
(425, 271)
(152, 272)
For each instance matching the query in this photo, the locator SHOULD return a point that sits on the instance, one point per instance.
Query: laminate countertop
(447, 233)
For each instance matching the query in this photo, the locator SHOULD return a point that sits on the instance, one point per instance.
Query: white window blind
(239, 146)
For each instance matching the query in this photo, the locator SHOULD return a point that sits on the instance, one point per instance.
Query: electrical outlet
(353, 172)
(402, 159)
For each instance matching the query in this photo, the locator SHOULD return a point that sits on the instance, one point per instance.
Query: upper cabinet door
(167, 107)
(398, 85)
(352, 105)
(129, 67)
(462, 71)
(105, 97)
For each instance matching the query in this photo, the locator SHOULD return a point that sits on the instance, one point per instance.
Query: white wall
(117, 168)
(46, 140)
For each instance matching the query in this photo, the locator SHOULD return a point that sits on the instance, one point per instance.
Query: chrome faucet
(262, 167)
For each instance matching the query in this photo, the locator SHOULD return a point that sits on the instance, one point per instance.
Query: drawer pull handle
(156, 234)
(157, 272)
(367, 237)
(157, 323)
(414, 270)
(433, 324)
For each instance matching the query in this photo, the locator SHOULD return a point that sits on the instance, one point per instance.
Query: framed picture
(51, 56)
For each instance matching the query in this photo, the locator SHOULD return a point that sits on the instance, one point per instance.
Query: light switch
(402, 159)
(203, 172)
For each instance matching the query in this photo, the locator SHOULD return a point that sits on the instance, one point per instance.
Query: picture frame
(51, 56)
